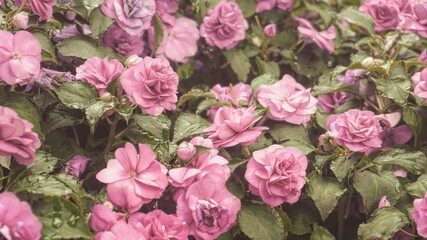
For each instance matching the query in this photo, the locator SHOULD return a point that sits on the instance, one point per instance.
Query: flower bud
(186, 151)
(132, 60)
(106, 97)
(368, 62)
(256, 41)
(270, 30)
(77, 165)
(103, 218)
(86, 29)
(70, 15)
(20, 20)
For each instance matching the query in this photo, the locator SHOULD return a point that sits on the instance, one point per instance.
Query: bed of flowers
(213, 119)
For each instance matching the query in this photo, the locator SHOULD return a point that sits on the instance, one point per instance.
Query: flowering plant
(213, 119)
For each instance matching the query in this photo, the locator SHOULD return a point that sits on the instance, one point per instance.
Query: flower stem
(111, 135)
(341, 212)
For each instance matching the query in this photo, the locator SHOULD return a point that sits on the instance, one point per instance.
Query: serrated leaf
(95, 111)
(397, 90)
(247, 7)
(418, 188)
(282, 132)
(267, 67)
(188, 125)
(158, 126)
(84, 47)
(99, 23)
(323, 9)
(194, 95)
(5, 162)
(43, 164)
(383, 224)
(304, 147)
(325, 192)
(260, 222)
(48, 51)
(358, 18)
(60, 117)
(239, 63)
(413, 120)
(265, 79)
(76, 95)
(415, 162)
(44, 185)
(342, 166)
(321, 233)
(158, 33)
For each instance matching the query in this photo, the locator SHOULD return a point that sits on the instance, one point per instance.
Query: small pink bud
(20, 20)
(70, 15)
(383, 202)
(270, 30)
(77, 165)
(186, 151)
(86, 29)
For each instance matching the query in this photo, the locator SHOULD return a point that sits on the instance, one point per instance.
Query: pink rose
(20, 20)
(186, 151)
(77, 165)
(99, 72)
(416, 21)
(323, 39)
(270, 30)
(420, 215)
(239, 93)
(132, 16)
(20, 57)
(42, 8)
(419, 81)
(103, 218)
(276, 174)
(330, 101)
(16, 138)
(122, 42)
(224, 26)
(208, 209)
(120, 230)
(134, 179)
(17, 220)
(384, 12)
(160, 225)
(234, 126)
(151, 84)
(287, 100)
(266, 5)
(179, 41)
(358, 130)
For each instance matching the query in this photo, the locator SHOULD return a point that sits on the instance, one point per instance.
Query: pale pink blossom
(420, 215)
(20, 20)
(186, 151)
(103, 218)
(235, 94)
(323, 39)
(266, 5)
(77, 165)
(42, 8)
(384, 12)
(330, 101)
(121, 230)
(419, 80)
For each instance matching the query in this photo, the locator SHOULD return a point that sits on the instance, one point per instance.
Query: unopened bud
(186, 151)
(270, 30)
(106, 97)
(368, 62)
(256, 41)
(132, 60)
(20, 20)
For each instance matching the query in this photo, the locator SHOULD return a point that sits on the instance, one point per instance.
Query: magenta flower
(234, 126)
(151, 84)
(103, 218)
(159, 225)
(77, 165)
(224, 26)
(323, 39)
(419, 81)
(330, 101)
(276, 174)
(270, 30)
(266, 5)
(99, 72)
(20, 57)
(165, 9)
(384, 12)
(132, 16)
(134, 179)
(416, 21)
(208, 209)
(287, 100)
(358, 130)
(16, 137)
(393, 134)
(121, 229)
(122, 42)
(17, 220)
(42, 8)
(238, 94)
(420, 215)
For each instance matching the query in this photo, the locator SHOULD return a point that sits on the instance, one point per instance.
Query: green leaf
(239, 63)
(397, 90)
(60, 117)
(158, 33)
(260, 222)
(44, 185)
(25, 109)
(61, 219)
(267, 67)
(92, 4)
(325, 192)
(95, 111)
(418, 188)
(99, 23)
(125, 112)
(413, 120)
(48, 51)
(265, 79)
(247, 7)
(321, 233)
(84, 47)
(305, 148)
(158, 127)
(373, 187)
(321, 117)
(43, 164)
(185, 70)
(194, 96)
(76, 95)
(342, 166)
(187, 125)
(323, 9)
(415, 162)
(5, 162)
(282, 132)
(358, 18)
(383, 224)
(202, 7)
(285, 40)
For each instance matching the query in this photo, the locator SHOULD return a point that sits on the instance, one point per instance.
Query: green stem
(341, 212)
(111, 135)
(18, 10)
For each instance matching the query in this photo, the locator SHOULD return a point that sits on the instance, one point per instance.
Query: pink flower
(234, 126)
(16, 137)
(165, 9)
(239, 93)
(151, 84)
(384, 12)
(132, 16)
(287, 100)
(134, 179)
(277, 174)
(66, 32)
(179, 41)
(203, 142)
(420, 215)
(208, 209)
(103, 218)
(358, 130)
(383, 202)
(224, 26)
(270, 30)
(419, 81)
(17, 220)
(266, 5)
(416, 21)
(322, 39)
(329, 102)
(42, 8)
(423, 56)
(20, 57)
(99, 72)
(121, 229)
(392, 134)
(186, 151)
(77, 165)
(21, 20)
(160, 225)
(122, 42)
